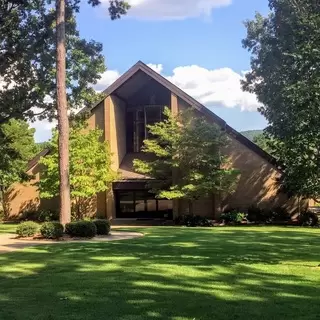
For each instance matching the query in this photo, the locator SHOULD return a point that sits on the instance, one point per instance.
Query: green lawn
(8, 227)
(171, 273)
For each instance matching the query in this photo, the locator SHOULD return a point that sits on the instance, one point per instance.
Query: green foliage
(309, 219)
(27, 64)
(193, 221)
(233, 217)
(40, 146)
(256, 214)
(40, 215)
(52, 230)
(103, 226)
(251, 134)
(285, 76)
(260, 138)
(30, 215)
(90, 168)
(48, 215)
(82, 229)
(17, 147)
(279, 214)
(265, 142)
(27, 229)
(188, 160)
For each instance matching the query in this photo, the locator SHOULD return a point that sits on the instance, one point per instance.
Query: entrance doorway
(141, 204)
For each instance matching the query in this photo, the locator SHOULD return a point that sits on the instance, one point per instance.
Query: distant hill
(250, 134)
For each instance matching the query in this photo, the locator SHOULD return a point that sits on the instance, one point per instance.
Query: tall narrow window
(145, 116)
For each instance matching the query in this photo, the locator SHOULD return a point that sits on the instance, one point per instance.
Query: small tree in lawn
(90, 168)
(188, 162)
(17, 147)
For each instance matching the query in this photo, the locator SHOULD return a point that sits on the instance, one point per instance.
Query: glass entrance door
(141, 205)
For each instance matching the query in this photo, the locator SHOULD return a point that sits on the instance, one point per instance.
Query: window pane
(151, 205)
(140, 205)
(153, 114)
(126, 203)
(164, 205)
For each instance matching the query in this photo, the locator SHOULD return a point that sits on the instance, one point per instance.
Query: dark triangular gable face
(140, 77)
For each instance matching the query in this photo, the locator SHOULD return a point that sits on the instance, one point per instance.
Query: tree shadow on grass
(169, 274)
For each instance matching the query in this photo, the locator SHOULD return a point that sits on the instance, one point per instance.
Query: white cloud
(172, 9)
(217, 87)
(107, 78)
(110, 76)
(43, 127)
(156, 67)
(213, 88)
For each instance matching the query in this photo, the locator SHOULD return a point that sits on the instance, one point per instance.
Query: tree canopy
(188, 162)
(17, 147)
(285, 76)
(90, 167)
(27, 58)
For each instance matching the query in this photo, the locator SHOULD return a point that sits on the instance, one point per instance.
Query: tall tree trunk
(63, 122)
(4, 203)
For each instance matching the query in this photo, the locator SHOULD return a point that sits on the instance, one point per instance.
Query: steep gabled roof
(140, 66)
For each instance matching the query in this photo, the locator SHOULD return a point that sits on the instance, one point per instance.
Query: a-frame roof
(142, 67)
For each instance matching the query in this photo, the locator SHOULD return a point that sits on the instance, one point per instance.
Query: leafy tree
(188, 161)
(41, 146)
(90, 167)
(16, 149)
(28, 60)
(251, 134)
(265, 142)
(34, 80)
(285, 76)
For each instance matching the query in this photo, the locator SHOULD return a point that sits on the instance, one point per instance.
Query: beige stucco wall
(117, 130)
(24, 197)
(96, 120)
(256, 185)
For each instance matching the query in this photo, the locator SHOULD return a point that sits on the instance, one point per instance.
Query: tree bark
(4, 203)
(62, 111)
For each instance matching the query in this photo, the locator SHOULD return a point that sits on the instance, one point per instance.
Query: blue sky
(194, 43)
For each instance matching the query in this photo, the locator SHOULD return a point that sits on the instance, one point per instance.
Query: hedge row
(54, 229)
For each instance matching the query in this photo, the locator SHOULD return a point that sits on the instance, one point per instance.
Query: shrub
(103, 226)
(256, 214)
(40, 215)
(193, 221)
(30, 215)
(279, 214)
(27, 229)
(233, 217)
(51, 230)
(308, 218)
(48, 215)
(85, 229)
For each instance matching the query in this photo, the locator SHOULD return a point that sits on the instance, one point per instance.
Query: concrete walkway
(9, 242)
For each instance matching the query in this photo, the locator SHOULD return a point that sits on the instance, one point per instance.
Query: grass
(171, 273)
(8, 228)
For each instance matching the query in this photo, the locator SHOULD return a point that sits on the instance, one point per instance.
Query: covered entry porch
(134, 201)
